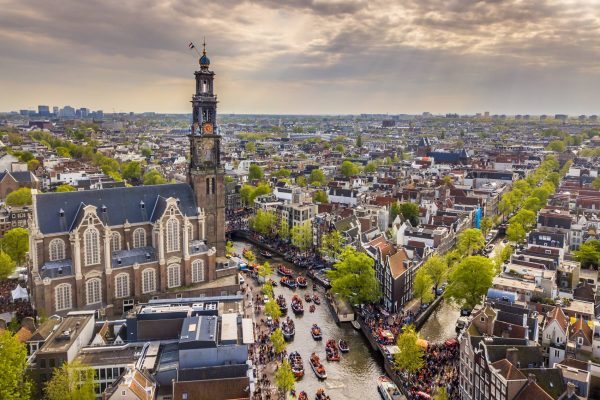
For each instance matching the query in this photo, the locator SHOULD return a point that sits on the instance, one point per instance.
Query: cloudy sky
(305, 56)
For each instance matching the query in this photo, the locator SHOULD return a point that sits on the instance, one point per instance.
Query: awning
(422, 343)
(20, 293)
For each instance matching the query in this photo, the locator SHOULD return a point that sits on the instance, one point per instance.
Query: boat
(301, 282)
(314, 286)
(315, 331)
(320, 395)
(288, 282)
(461, 322)
(317, 367)
(316, 299)
(296, 364)
(265, 254)
(273, 283)
(355, 325)
(331, 351)
(288, 329)
(297, 306)
(343, 346)
(388, 389)
(312, 308)
(282, 304)
(303, 396)
(307, 298)
(284, 271)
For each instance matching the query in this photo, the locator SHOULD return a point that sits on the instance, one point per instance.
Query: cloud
(305, 56)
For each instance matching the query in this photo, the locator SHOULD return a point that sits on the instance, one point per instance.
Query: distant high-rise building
(24, 112)
(593, 118)
(55, 110)
(44, 111)
(85, 112)
(561, 117)
(67, 112)
(486, 114)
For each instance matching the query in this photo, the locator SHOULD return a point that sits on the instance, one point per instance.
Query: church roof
(121, 204)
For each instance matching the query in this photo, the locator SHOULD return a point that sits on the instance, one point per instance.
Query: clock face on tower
(207, 128)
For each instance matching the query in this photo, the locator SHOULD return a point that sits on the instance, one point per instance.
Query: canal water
(354, 377)
(441, 324)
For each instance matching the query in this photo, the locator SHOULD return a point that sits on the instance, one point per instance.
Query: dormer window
(61, 212)
(104, 208)
(142, 205)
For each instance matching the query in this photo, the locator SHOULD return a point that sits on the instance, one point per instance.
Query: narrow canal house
(108, 249)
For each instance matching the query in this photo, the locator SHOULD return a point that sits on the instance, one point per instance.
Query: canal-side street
(355, 375)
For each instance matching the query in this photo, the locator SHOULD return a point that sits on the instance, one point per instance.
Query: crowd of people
(441, 360)
(21, 308)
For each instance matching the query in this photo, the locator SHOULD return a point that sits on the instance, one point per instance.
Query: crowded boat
(344, 348)
(388, 389)
(316, 299)
(312, 308)
(301, 282)
(288, 329)
(317, 367)
(297, 306)
(282, 304)
(288, 282)
(321, 395)
(315, 331)
(307, 298)
(296, 364)
(284, 271)
(331, 351)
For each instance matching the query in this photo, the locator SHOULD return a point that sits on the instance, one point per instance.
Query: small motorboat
(343, 346)
(273, 283)
(355, 325)
(297, 306)
(301, 282)
(331, 351)
(388, 389)
(265, 254)
(307, 298)
(316, 299)
(282, 304)
(312, 308)
(303, 396)
(288, 282)
(296, 364)
(315, 331)
(284, 271)
(314, 286)
(320, 395)
(288, 329)
(317, 367)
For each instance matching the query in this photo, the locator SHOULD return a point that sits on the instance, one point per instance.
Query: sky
(304, 56)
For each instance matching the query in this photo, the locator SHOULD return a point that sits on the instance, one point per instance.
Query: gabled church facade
(108, 249)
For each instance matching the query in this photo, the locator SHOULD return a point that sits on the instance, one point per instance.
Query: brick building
(107, 249)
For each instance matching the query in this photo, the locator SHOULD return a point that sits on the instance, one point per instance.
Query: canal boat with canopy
(301, 282)
(288, 282)
(296, 364)
(288, 329)
(282, 304)
(388, 389)
(331, 351)
(284, 271)
(297, 306)
(317, 367)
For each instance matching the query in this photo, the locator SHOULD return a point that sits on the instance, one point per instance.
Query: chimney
(570, 390)
(512, 355)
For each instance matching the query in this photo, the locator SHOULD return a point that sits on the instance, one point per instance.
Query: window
(172, 235)
(57, 249)
(148, 280)
(580, 341)
(139, 238)
(62, 294)
(173, 276)
(121, 285)
(92, 291)
(198, 271)
(91, 246)
(190, 232)
(115, 241)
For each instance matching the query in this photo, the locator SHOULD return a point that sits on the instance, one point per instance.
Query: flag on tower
(192, 46)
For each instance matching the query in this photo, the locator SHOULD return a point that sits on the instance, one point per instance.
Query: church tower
(206, 174)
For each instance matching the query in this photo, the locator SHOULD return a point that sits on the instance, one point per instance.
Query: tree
(359, 141)
(486, 225)
(501, 257)
(255, 172)
(320, 196)
(526, 218)
(532, 203)
(556, 145)
(7, 265)
(16, 244)
(302, 236)
(470, 281)
(228, 179)
(264, 222)
(20, 197)
(284, 230)
(283, 173)
(284, 377)
(596, 183)
(370, 167)
(247, 194)
(229, 247)
(265, 270)
(441, 394)
(72, 381)
(277, 339)
(132, 170)
(340, 148)
(410, 211)
(63, 152)
(153, 177)
(470, 240)
(332, 244)
(267, 289)
(523, 186)
(301, 181)
(422, 286)
(515, 232)
(348, 169)
(14, 381)
(32, 165)
(542, 193)
(504, 206)
(65, 188)
(262, 189)
(272, 309)
(249, 256)
(353, 277)
(587, 255)
(410, 356)
(436, 268)
(250, 147)
(146, 152)
(316, 177)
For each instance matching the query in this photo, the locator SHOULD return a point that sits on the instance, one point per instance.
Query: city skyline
(306, 57)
